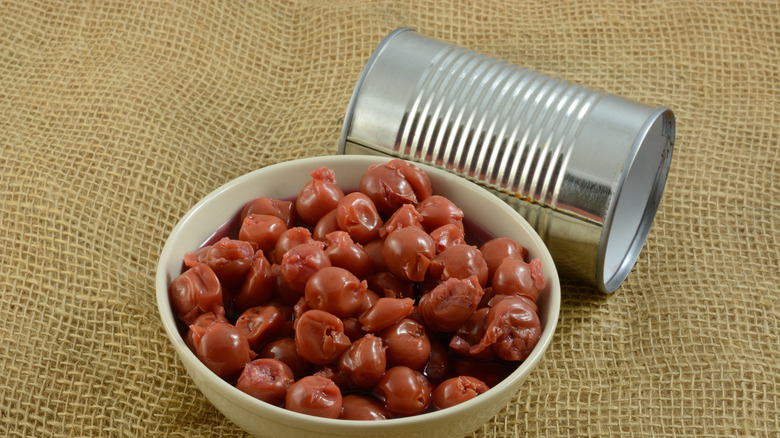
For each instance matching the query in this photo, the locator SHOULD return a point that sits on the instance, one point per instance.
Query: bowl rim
(298, 420)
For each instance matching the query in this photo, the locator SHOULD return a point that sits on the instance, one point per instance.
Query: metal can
(585, 168)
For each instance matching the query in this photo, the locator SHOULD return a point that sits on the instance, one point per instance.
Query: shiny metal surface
(586, 169)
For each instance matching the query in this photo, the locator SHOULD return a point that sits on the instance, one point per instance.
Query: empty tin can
(585, 168)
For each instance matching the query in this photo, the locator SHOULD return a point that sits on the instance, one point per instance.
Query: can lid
(350, 113)
(636, 200)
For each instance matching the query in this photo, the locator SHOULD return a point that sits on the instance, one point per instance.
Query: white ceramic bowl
(284, 180)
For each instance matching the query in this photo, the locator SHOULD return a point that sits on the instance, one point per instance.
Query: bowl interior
(284, 180)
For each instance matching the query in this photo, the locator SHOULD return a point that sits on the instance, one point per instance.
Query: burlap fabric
(116, 117)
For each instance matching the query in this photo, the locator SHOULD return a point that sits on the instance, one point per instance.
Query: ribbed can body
(563, 155)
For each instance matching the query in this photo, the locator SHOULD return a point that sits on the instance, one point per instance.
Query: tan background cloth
(116, 117)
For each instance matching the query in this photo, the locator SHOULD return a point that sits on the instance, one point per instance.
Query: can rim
(614, 245)
(350, 113)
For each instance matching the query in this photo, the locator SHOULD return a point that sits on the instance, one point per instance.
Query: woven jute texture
(116, 117)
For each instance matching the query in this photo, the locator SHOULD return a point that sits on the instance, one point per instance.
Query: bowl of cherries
(353, 295)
